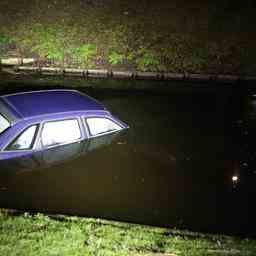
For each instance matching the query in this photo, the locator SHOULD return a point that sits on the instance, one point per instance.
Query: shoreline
(30, 66)
(30, 234)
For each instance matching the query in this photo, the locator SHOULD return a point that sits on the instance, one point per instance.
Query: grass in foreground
(178, 36)
(39, 234)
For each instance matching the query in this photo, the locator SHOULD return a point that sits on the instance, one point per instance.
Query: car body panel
(38, 160)
(50, 102)
(8, 112)
(68, 104)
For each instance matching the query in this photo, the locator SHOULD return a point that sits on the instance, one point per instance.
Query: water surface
(173, 167)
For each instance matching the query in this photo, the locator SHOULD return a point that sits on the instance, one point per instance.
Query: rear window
(98, 126)
(4, 123)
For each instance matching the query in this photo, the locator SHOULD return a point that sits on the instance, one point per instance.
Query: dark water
(173, 167)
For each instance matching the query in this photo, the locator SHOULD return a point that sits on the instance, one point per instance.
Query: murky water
(187, 161)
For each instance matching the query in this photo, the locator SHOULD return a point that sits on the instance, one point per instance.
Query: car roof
(36, 103)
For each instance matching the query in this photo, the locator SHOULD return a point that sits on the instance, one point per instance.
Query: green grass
(175, 36)
(39, 234)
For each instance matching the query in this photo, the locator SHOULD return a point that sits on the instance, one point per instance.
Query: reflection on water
(187, 160)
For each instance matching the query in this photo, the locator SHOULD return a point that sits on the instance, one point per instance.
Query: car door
(101, 131)
(19, 154)
(61, 140)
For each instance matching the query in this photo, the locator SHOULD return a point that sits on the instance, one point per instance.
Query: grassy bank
(25, 234)
(175, 36)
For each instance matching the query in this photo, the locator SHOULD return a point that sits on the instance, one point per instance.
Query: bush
(116, 58)
(85, 54)
(147, 60)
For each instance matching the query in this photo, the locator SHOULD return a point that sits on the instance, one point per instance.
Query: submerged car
(50, 120)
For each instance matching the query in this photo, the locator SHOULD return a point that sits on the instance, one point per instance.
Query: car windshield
(4, 123)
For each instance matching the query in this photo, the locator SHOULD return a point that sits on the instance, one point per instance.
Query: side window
(59, 132)
(99, 125)
(4, 123)
(25, 140)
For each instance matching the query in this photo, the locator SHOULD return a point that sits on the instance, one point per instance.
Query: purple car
(50, 121)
